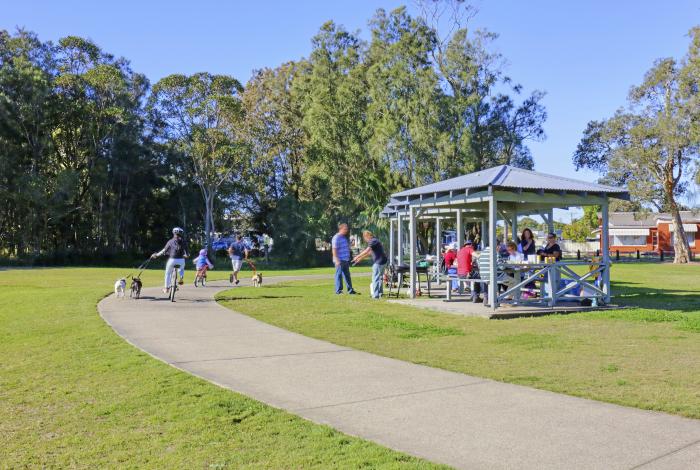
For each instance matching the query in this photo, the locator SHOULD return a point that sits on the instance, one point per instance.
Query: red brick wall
(663, 242)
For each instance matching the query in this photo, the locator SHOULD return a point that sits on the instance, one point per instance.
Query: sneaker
(353, 292)
(181, 281)
(478, 300)
(237, 281)
(165, 290)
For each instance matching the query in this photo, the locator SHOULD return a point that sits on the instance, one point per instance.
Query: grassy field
(646, 356)
(75, 395)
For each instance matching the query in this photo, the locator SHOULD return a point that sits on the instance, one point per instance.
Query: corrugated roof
(649, 219)
(510, 177)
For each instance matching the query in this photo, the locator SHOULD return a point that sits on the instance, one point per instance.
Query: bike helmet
(178, 231)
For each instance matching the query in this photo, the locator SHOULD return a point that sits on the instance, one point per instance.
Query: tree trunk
(680, 242)
(208, 215)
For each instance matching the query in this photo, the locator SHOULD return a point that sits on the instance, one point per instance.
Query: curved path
(464, 421)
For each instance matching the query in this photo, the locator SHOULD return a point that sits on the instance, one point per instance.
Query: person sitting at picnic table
(512, 276)
(450, 268)
(551, 248)
(527, 243)
(450, 255)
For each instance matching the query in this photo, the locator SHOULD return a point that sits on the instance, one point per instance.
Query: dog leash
(142, 267)
(252, 266)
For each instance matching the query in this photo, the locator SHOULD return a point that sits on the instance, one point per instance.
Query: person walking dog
(379, 258)
(340, 246)
(237, 251)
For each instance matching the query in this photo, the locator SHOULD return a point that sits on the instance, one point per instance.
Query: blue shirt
(342, 247)
(237, 250)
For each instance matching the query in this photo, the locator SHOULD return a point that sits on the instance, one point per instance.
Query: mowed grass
(75, 395)
(646, 356)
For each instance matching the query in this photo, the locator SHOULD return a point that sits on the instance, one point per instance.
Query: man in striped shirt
(341, 258)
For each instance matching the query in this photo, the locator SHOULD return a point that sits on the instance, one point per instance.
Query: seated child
(202, 263)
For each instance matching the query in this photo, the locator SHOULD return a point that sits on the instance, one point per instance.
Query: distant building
(652, 231)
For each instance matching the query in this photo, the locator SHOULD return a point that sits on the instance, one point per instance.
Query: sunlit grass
(644, 356)
(75, 395)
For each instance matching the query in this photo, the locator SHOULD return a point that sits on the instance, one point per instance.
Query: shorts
(237, 264)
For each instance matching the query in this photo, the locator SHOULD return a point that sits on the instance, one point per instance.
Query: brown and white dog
(120, 287)
(257, 279)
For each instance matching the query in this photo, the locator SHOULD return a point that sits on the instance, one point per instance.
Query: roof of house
(648, 219)
(509, 177)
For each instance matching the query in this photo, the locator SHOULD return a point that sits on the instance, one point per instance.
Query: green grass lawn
(75, 395)
(647, 356)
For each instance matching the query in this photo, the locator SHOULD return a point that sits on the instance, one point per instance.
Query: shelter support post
(514, 227)
(605, 239)
(493, 253)
(438, 248)
(550, 221)
(391, 240)
(412, 250)
(460, 229)
(399, 239)
(484, 235)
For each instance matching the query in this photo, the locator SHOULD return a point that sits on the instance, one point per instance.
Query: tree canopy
(95, 162)
(652, 145)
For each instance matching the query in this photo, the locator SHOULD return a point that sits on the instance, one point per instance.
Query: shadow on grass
(260, 297)
(678, 300)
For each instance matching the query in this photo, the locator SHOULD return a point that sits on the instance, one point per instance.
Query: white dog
(120, 287)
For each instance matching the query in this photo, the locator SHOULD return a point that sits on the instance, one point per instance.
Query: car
(221, 243)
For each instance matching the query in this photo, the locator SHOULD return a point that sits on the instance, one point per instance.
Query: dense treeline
(96, 161)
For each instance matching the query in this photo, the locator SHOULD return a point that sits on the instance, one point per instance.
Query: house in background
(652, 231)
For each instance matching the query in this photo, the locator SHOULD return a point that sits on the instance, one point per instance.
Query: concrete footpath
(446, 417)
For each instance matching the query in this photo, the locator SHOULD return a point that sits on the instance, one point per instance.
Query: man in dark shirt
(374, 246)
(551, 248)
(176, 249)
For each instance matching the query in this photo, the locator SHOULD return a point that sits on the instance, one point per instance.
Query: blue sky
(584, 54)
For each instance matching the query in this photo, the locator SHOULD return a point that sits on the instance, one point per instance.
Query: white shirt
(516, 258)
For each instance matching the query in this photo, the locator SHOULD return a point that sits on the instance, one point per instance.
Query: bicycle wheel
(196, 280)
(173, 286)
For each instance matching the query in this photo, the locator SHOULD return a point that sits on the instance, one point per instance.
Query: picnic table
(575, 286)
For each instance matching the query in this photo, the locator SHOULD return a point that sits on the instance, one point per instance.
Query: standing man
(374, 246)
(465, 261)
(237, 251)
(340, 246)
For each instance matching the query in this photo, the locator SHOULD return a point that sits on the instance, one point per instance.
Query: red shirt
(450, 258)
(464, 260)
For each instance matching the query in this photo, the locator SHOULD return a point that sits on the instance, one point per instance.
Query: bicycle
(174, 281)
(200, 279)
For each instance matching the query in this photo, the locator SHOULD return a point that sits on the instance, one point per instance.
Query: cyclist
(176, 249)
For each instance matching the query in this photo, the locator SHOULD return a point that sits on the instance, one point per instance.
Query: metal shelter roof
(509, 177)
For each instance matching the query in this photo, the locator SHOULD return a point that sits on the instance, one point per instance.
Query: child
(202, 263)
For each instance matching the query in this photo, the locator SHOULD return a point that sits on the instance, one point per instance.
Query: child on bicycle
(202, 263)
(176, 249)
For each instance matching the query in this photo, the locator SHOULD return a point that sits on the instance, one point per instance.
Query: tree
(652, 145)
(405, 98)
(201, 117)
(486, 125)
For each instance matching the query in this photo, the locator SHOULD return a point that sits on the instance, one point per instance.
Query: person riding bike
(177, 251)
